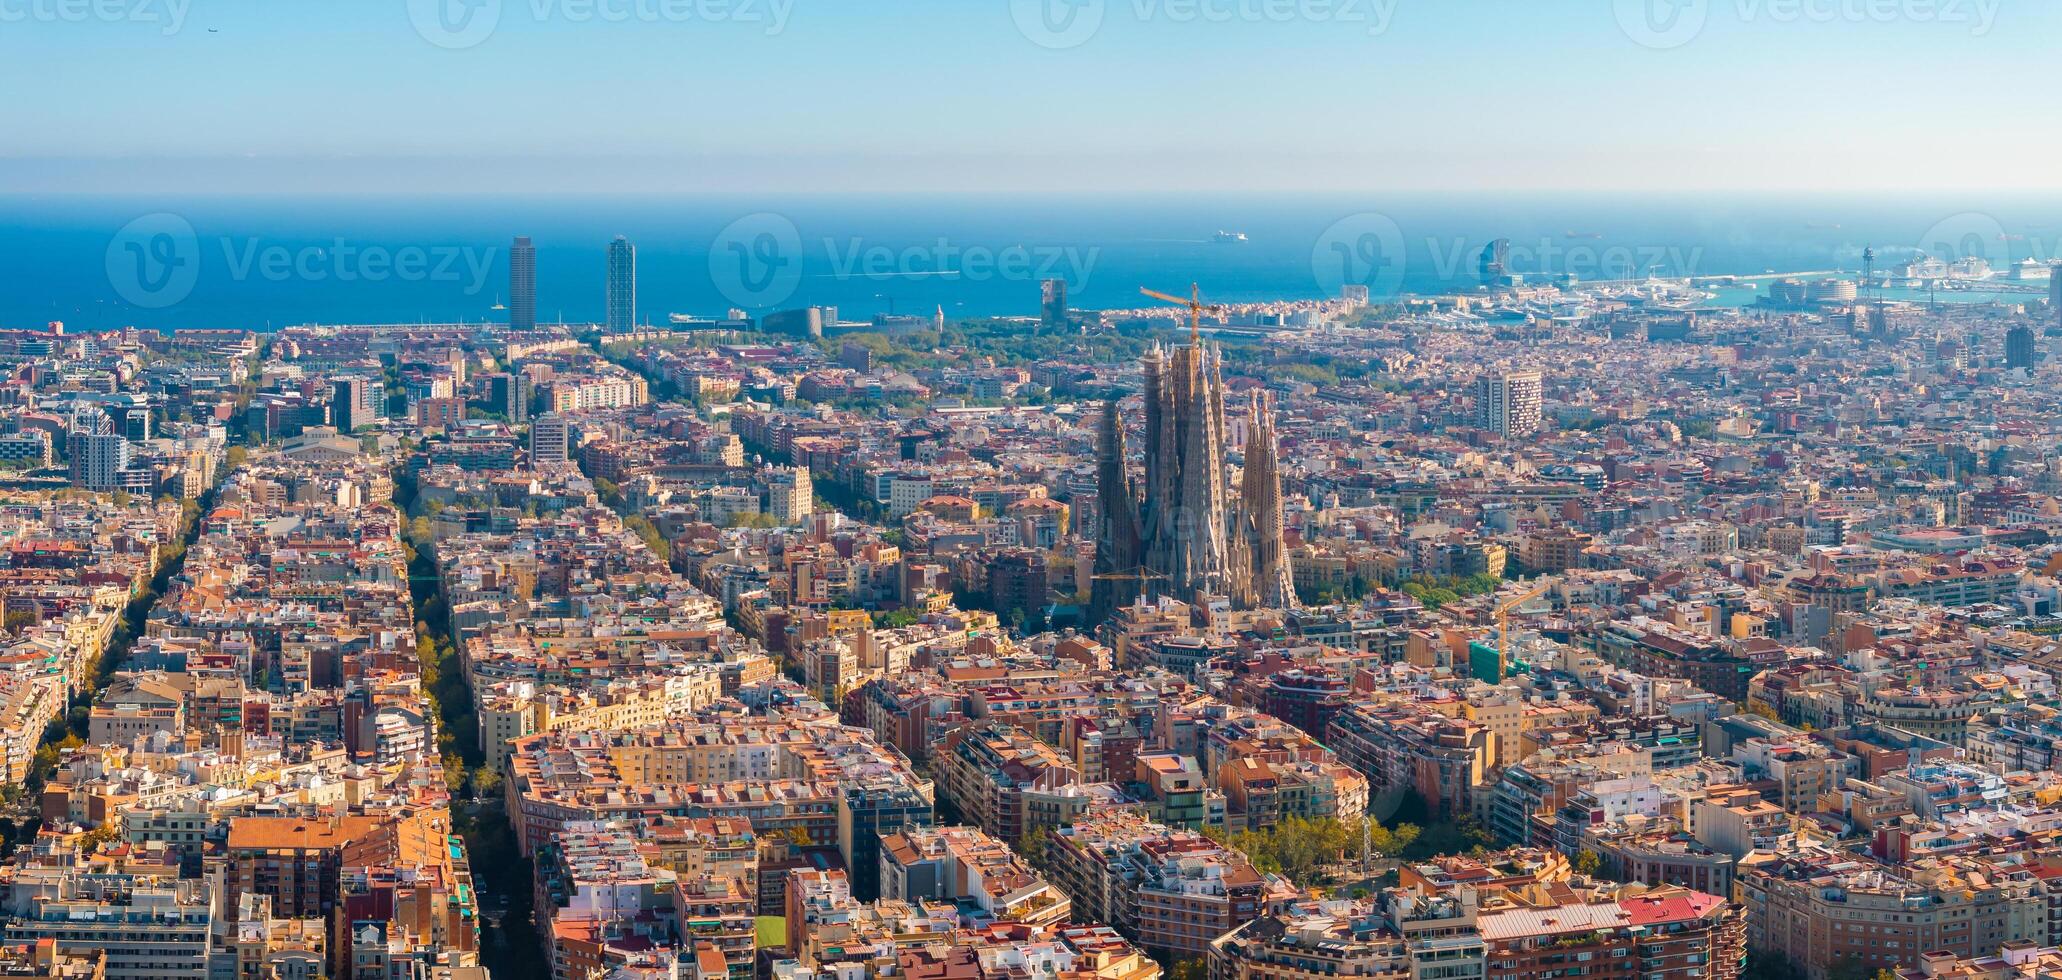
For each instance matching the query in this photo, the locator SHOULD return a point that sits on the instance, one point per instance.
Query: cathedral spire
(1193, 532)
(1119, 566)
(1260, 490)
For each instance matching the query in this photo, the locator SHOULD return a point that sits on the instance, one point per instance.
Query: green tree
(1588, 862)
(1034, 847)
(895, 619)
(642, 527)
(107, 833)
(1388, 842)
(486, 781)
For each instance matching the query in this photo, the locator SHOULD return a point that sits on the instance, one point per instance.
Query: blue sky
(914, 95)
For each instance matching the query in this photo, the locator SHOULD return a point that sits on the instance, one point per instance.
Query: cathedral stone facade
(1186, 532)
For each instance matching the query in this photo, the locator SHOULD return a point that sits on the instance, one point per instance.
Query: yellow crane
(1503, 624)
(1140, 574)
(1196, 308)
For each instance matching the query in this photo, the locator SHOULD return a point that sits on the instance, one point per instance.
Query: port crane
(1195, 305)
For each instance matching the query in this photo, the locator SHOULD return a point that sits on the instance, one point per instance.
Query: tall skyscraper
(1192, 534)
(1509, 404)
(622, 298)
(522, 285)
(2019, 348)
(1495, 261)
(2055, 293)
(1052, 307)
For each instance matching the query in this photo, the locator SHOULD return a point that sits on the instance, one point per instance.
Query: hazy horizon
(1115, 96)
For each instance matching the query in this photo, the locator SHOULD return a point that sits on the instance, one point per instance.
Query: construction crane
(1196, 308)
(1138, 574)
(1503, 624)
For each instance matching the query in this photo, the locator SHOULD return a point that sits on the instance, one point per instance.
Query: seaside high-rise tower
(1052, 304)
(622, 294)
(522, 285)
(2055, 294)
(1495, 262)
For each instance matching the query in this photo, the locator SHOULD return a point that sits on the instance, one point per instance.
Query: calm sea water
(259, 262)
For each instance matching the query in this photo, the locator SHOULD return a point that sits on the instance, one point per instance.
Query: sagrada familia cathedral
(1190, 533)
